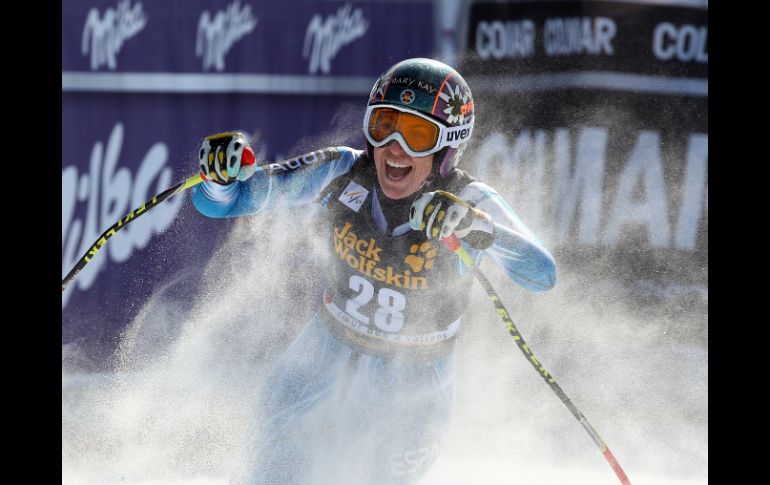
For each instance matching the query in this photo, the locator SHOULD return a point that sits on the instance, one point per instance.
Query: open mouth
(396, 171)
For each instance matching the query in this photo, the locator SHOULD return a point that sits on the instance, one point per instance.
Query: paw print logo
(421, 256)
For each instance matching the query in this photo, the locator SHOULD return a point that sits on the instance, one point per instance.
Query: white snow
(177, 405)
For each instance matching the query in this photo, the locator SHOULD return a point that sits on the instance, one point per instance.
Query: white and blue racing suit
(365, 393)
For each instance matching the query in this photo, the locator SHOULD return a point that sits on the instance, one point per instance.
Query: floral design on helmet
(457, 104)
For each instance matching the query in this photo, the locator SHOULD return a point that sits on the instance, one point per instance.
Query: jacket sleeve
(515, 248)
(289, 184)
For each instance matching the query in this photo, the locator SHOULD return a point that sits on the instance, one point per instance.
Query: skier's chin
(400, 175)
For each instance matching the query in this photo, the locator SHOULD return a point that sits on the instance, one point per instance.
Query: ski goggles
(418, 134)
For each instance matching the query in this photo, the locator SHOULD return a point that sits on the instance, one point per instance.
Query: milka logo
(325, 39)
(104, 36)
(217, 36)
(110, 193)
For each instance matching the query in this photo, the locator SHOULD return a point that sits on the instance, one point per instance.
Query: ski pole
(269, 169)
(123, 222)
(453, 243)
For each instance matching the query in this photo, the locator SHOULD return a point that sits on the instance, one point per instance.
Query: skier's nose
(396, 148)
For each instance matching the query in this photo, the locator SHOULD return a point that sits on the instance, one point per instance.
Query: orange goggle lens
(420, 134)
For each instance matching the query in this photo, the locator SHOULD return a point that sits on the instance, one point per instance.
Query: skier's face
(400, 174)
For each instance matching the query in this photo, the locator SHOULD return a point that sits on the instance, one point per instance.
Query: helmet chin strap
(438, 159)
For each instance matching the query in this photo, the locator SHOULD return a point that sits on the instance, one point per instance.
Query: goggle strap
(457, 134)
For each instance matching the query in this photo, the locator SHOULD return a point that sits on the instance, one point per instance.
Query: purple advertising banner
(144, 82)
(279, 37)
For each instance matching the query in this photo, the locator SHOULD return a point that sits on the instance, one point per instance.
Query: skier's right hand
(441, 214)
(226, 157)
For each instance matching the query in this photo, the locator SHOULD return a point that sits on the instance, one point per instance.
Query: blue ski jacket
(387, 286)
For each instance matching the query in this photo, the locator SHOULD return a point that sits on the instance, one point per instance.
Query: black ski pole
(453, 243)
(270, 169)
(123, 222)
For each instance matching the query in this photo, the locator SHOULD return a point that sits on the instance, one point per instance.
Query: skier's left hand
(441, 214)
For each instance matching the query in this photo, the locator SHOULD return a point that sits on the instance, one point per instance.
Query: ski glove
(226, 157)
(441, 214)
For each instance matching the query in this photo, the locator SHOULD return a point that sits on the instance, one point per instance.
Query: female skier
(365, 393)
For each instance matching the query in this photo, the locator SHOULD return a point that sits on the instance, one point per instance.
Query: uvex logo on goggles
(458, 134)
(418, 134)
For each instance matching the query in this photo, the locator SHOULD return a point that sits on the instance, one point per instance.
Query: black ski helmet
(433, 89)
